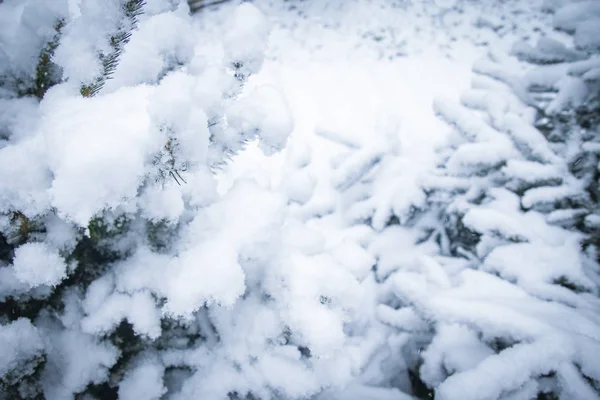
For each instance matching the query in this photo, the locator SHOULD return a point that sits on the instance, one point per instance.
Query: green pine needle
(45, 71)
(133, 9)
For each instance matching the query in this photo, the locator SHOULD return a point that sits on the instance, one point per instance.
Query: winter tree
(124, 273)
(488, 265)
(129, 270)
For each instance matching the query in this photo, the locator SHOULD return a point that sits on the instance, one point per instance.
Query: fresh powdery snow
(300, 199)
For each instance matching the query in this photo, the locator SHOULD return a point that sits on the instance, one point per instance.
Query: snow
(138, 309)
(85, 166)
(163, 40)
(545, 195)
(21, 340)
(28, 193)
(403, 318)
(265, 112)
(529, 139)
(571, 92)
(317, 200)
(38, 264)
(354, 257)
(245, 43)
(356, 392)
(530, 264)
(144, 381)
(66, 371)
(569, 16)
(531, 172)
(456, 348)
(586, 36)
(87, 34)
(546, 51)
(25, 28)
(498, 373)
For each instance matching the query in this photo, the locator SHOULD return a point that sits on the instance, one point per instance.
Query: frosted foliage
(500, 301)
(125, 260)
(282, 309)
(85, 165)
(92, 154)
(454, 349)
(162, 40)
(87, 34)
(263, 111)
(37, 264)
(144, 381)
(360, 200)
(25, 27)
(245, 41)
(22, 343)
(66, 372)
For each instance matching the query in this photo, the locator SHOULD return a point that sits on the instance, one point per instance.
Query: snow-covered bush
(489, 265)
(566, 92)
(124, 273)
(510, 281)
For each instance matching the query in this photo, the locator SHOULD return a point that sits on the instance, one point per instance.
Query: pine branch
(45, 72)
(133, 9)
(167, 163)
(197, 5)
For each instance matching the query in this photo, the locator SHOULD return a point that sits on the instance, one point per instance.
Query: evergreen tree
(488, 266)
(124, 273)
(128, 270)
(512, 205)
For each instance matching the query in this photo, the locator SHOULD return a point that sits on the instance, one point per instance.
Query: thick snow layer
(365, 127)
(25, 27)
(319, 200)
(21, 341)
(88, 34)
(86, 165)
(570, 16)
(66, 372)
(38, 264)
(245, 43)
(144, 381)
